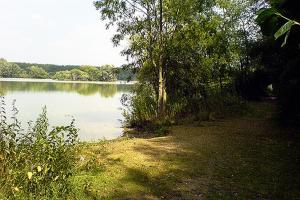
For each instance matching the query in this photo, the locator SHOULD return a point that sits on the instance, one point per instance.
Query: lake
(96, 107)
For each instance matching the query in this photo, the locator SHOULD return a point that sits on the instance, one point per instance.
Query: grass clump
(37, 163)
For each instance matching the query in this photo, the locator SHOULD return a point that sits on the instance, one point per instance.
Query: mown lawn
(245, 157)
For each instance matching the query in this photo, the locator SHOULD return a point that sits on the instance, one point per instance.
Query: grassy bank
(246, 157)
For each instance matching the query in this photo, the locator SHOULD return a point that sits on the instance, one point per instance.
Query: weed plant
(36, 163)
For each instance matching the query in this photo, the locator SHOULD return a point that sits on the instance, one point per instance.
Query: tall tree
(162, 95)
(184, 49)
(141, 21)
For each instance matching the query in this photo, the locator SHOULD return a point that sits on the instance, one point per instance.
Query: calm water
(95, 107)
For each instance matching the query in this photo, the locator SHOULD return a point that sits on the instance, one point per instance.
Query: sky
(67, 32)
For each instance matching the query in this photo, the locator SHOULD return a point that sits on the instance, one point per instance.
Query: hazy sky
(56, 32)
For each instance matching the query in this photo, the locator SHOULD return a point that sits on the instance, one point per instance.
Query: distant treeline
(64, 72)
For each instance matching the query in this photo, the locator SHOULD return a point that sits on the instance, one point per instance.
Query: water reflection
(96, 108)
(108, 90)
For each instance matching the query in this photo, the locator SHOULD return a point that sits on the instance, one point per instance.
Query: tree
(9, 70)
(186, 51)
(37, 72)
(78, 75)
(142, 22)
(162, 94)
(62, 75)
(107, 73)
(93, 72)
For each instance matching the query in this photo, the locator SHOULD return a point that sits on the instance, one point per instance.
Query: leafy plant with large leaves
(285, 29)
(280, 55)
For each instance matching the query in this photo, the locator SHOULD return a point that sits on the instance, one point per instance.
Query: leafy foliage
(267, 13)
(37, 72)
(280, 55)
(140, 106)
(201, 48)
(37, 163)
(9, 70)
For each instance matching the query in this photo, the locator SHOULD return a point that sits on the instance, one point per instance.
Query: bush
(37, 163)
(225, 102)
(211, 102)
(140, 106)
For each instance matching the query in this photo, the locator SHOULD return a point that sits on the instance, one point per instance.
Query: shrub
(223, 102)
(37, 163)
(140, 106)
(211, 102)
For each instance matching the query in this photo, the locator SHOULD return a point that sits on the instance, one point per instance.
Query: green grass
(245, 157)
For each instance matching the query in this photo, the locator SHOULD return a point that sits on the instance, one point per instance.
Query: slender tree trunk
(221, 83)
(221, 75)
(162, 94)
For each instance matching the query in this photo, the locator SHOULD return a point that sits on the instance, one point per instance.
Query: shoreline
(59, 81)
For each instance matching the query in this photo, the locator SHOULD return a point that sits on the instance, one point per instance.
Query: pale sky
(55, 32)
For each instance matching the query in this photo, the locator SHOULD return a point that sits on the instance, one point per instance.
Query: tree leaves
(285, 29)
(265, 14)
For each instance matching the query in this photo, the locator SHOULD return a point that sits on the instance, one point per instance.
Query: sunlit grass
(247, 157)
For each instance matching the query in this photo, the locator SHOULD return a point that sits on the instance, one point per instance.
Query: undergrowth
(36, 163)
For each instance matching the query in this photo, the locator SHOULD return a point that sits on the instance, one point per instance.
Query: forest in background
(64, 72)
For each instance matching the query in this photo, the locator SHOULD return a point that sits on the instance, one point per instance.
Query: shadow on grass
(240, 158)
